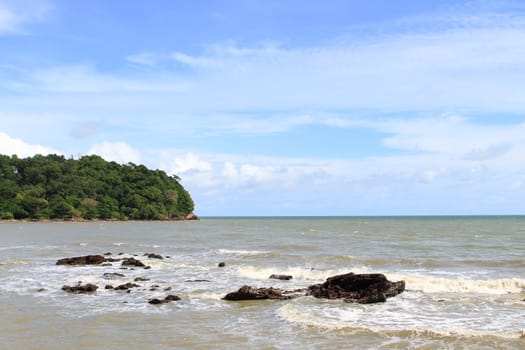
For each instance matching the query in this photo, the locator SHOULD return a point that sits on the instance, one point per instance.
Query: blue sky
(280, 107)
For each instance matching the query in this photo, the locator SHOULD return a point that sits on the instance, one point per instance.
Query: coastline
(189, 217)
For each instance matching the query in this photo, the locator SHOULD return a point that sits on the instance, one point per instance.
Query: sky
(318, 107)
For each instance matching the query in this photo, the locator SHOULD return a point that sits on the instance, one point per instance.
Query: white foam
(298, 273)
(449, 285)
(242, 252)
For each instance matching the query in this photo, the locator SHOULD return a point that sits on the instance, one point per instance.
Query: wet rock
(169, 298)
(108, 253)
(106, 264)
(147, 267)
(82, 260)
(153, 256)
(132, 262)
(109, 286)
(172, 297)
(156, 301)
(41, 290)
(112, 275)
(80, 289)
(127, 286)
(167, 289)
(358, 288)
(222, 264)
(141, 279)
(252, 293)
(281, 277)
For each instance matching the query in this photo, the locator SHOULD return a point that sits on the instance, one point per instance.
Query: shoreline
(189, 217)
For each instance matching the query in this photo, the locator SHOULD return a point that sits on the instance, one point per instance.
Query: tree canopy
(53, 187)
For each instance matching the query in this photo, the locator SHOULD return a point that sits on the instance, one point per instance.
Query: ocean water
(465, 284)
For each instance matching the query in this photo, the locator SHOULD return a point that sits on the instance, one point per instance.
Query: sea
(465, 283)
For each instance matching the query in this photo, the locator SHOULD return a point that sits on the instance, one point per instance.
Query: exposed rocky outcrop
(252, 293)
(82, 260)
(358, 288)
(127, 286)
(167, 299)
(80, 289)
(112, 275)
(132, 262)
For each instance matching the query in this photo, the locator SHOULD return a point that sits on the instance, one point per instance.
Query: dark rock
(132, 262)
(82, 260)
(222, 264)
(167, 289)
(169, 298)
(251, 293)
(79, 289)
(153, 256)
(141, 279)
(108, 253)
(156, 301)
(112, 275)
(41, 290)
(358, 288)
(106, 264)
(109, 286)
(120, 253)
(127, 286)
(281, 277)
(147, 267)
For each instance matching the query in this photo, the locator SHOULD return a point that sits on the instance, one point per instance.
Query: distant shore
(189, 217)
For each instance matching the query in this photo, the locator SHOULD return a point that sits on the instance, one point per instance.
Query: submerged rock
(79, 289)
(153, 256)
(222, 264)
(112, 275)
(281, 277)
(357, 288)
(82, 260)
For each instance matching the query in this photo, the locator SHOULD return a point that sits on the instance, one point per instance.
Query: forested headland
(56, 188)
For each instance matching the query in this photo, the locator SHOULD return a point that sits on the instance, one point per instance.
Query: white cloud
(15, 14)
(10, 146)
(120, 152)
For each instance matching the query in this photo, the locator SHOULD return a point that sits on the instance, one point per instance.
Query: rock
(82, 260)
(109, 286)
(141, 279)
(147, 267)
(169, 298)
(127, 286)
(153, 256)
(281, 277)
(132, 262)
(112, 275)
(191, 216)
(41, 290)
(108, 253)
(156, 301)
(358, 288)
(222, 264)
(79, 289)
(172, 297)
(106, 264)
(251, 293)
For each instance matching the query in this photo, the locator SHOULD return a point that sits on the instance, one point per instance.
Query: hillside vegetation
(53, 187)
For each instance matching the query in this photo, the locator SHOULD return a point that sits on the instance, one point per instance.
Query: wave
(298, 273)
(242, 252)
(449, 285)
(391, 322)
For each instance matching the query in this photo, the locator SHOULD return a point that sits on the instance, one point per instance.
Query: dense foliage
(53, 187)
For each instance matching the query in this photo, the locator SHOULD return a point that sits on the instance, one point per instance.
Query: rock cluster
(356, 288)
